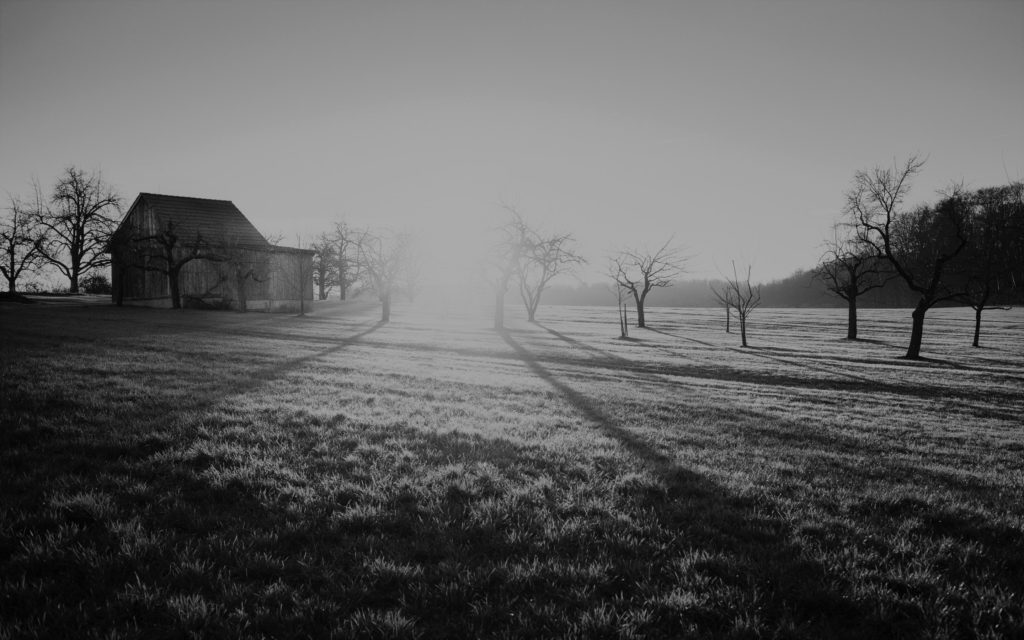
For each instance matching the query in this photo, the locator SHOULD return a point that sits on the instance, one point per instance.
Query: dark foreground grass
(202, 474)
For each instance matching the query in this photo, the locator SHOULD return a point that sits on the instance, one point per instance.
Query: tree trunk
(175, 290)
(119, 276)
(917, 331)
(240, 291)
(977, 325)
(75, 273)
(531, 302)
(851, 318)
(385, 309)
(10, 275)
(743, 329)
(499, 310)
(641, 321)
(728, 319)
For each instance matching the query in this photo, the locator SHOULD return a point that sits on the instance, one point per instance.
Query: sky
(731, 127)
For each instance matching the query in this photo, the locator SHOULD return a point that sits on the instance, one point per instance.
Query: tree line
(966, 248)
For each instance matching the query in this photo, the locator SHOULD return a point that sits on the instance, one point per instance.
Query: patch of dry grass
(214, 474)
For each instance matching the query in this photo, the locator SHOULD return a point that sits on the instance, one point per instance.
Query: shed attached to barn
(173, 251)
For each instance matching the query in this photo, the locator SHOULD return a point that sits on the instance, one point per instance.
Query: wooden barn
(172, 251)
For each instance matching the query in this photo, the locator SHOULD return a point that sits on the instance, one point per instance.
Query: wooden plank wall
(279, 274)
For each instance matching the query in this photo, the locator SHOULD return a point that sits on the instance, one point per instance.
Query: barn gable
(225, 261)
(194, 218)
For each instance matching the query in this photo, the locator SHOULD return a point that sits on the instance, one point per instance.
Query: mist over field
(582, 319)
(214, 474)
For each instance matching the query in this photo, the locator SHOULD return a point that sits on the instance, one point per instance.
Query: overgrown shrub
(97, 283)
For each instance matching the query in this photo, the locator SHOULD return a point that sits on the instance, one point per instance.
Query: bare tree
(543, 258)
(81, 217)
(623, 311)
(515, 236)
(240, 265)
(918, 244)
(992, 260)
(849, 270)
(325, 265)
(742, 296)
(346, 255)
(22, 239)
(164, 251)
(724, 295)
(385, 259)
(640, 271)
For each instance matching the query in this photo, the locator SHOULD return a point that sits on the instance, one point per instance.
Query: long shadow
(716, 518)
(757, 352)
(209, 387)
(863, 383)
(294, 363)
(650, 372)
(40, 451)
(344, 551)
(773, 557)
(336, 544)
(577, 344)
(925, 361)
(922, 362)
(590, 409)
(881, 343)
(282, 336)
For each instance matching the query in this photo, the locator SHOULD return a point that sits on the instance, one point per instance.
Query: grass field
(209, 474)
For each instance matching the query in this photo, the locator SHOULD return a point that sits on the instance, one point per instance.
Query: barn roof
(207, 218)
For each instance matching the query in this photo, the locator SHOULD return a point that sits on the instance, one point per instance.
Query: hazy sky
(735, 126)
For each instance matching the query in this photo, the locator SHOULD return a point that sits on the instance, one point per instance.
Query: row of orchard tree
(348, 259)
(352, 260)
(71, 228)
(965, 248)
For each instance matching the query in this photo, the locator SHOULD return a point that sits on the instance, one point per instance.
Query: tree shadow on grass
(488, 542)
(138, 430)
(853, 382)
(583, 346)
(760, 556)
(800, 588)
(130, 489)
(308, 526)
(761, 353)
(438, 549)
(875, 341)
(945, 363)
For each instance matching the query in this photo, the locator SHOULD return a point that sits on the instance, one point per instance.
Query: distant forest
(801, 289)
